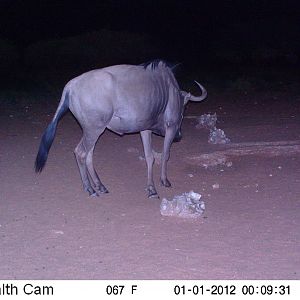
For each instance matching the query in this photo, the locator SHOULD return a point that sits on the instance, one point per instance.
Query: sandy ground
(51, 229)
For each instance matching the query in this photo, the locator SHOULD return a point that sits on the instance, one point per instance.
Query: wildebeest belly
(129, 124)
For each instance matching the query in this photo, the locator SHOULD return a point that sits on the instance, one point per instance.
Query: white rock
(187, 205)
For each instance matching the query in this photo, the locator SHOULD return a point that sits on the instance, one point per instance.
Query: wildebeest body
(124, 99)
(107, 95)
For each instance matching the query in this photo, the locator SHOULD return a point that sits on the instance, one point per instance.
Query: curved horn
(190, 97)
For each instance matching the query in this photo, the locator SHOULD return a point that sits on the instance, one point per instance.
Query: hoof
(91, 191)
(102, 190)
(152, 193)
(165, 182)
(153, 196)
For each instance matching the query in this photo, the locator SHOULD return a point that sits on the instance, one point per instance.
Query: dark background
(47, 41)
(245, 53)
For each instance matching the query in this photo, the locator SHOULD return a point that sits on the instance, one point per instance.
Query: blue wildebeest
(125, 99)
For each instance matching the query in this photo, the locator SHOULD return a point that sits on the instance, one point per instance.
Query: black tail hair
(49, 135)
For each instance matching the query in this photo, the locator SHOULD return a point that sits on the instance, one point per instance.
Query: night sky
(196, 26)
(27, 21)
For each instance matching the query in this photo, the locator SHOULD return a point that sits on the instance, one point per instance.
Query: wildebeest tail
(49, 133)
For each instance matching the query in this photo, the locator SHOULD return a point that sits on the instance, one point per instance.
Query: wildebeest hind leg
(80, 155)
(90, 140)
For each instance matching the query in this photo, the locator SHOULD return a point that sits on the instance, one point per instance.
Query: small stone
(215, 186)
(229, 164)
(132, 150)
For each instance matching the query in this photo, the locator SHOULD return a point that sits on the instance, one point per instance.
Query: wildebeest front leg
(147, 143)
(169, 137)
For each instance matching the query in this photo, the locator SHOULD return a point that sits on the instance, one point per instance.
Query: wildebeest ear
(186, 97)
(175, 67)
(189, 97)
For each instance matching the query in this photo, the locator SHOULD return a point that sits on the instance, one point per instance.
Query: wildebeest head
(189, 97)
(186, 98)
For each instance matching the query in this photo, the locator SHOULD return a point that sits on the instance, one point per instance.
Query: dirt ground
(51, 229)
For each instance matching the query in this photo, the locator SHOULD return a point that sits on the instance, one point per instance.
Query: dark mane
(153, 64)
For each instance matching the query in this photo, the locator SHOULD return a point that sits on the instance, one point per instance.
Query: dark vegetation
(257, 49)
